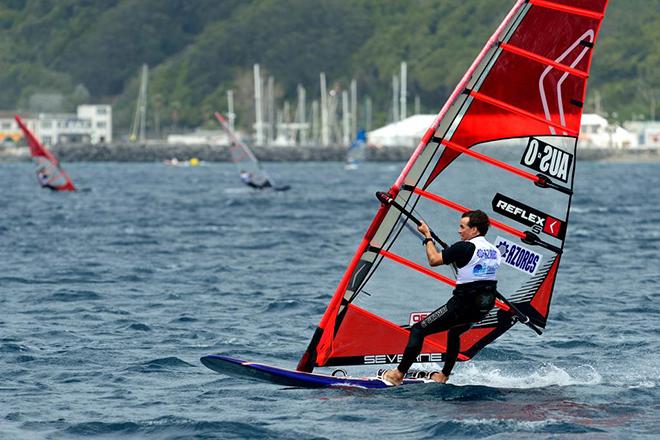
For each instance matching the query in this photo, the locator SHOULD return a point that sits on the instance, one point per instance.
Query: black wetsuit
(44, 181)
(469, 304)
(251, 184)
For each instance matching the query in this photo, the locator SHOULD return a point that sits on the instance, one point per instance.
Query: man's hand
(424, 229)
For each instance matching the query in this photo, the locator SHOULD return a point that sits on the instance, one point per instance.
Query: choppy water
(109, 297)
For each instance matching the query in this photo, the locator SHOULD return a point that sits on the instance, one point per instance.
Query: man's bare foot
(395, 377)
(439, 377)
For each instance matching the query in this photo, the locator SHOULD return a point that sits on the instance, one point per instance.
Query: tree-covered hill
(85, 50)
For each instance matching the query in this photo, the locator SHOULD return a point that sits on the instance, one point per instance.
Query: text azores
(518, 256)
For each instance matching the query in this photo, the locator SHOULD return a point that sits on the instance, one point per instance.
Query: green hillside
(55, 54)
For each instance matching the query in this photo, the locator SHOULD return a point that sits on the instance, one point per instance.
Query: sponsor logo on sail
(517, 256)
(547, 159)
(537, 220)
(416, 317)
(373, 359)
(553, 226)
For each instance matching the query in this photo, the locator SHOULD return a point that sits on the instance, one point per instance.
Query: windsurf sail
(249, 168)
(47, 168)
(357, 150)
(504, 142)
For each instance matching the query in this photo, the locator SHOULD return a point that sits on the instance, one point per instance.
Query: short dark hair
(477, 219)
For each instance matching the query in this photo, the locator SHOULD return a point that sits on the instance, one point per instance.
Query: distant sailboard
(356, 152)
(521, 98)
(250, 170)
(47, 168)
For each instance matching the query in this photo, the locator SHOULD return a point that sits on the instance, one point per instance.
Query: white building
(91, 124)
(100, 117)
(648, 132)
(596, 132)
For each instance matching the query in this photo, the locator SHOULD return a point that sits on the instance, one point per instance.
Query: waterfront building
(597, 132)
(91, 124)
(648, 132)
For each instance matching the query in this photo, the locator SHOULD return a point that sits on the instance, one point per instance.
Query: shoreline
(220, 153)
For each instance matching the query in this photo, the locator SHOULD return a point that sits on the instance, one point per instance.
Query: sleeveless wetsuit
(477, 261)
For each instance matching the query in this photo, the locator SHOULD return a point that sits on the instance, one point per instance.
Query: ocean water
(109, 297)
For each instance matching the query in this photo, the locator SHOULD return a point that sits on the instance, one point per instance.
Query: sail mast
(454, 95)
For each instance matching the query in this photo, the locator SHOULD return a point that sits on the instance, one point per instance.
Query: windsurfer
(247, 179)
(477, 261)
(44, 180)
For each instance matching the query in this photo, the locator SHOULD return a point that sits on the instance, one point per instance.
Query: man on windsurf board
(247, 179)
(476, 261)
(44, 180)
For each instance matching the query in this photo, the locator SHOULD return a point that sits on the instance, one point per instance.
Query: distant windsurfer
(44, 180)
(477, 261)
(247, 179)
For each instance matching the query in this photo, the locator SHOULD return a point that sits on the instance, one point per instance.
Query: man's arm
(434, 257)
(458, 253)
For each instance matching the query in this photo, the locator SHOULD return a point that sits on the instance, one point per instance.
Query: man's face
(465, 231)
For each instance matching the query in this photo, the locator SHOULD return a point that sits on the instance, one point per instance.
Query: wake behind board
(283, 376)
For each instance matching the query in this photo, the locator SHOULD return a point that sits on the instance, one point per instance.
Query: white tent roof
(406, 133)
(593, 119)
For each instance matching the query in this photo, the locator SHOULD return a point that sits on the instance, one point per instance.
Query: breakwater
(153, 152)
(157, 152)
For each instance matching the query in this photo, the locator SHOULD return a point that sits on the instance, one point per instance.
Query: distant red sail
(504, 142)
(243, 157)
(48, 170)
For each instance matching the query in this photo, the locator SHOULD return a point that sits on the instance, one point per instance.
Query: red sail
(504, 142)
(49, 172)
(243, 157)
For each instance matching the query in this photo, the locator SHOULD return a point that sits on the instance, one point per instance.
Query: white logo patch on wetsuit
(483, 264)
